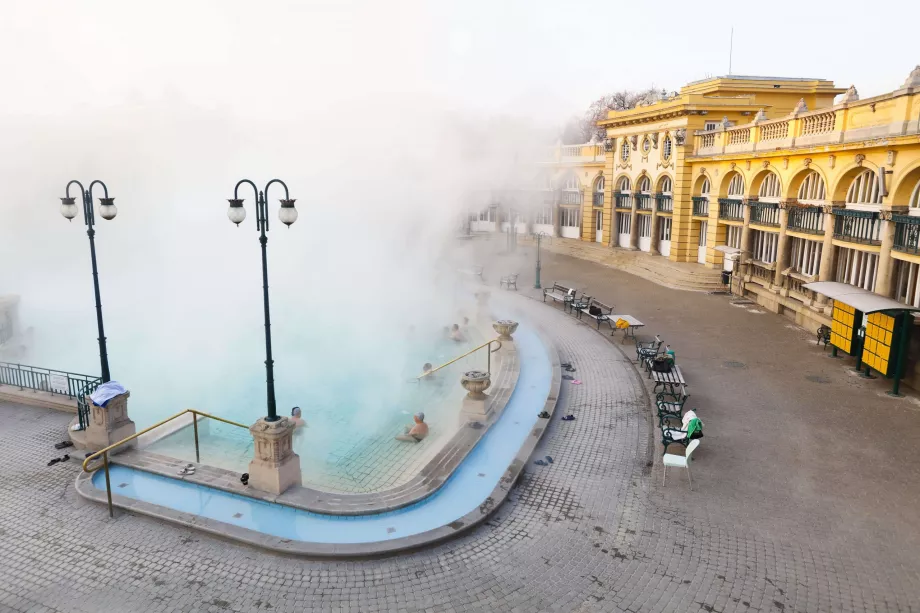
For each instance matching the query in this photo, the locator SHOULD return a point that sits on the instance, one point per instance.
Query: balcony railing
(598, 198)
(739, 135)
(732, 210)
(761, 274)
(820, 123)
(806, 219)
(765, 213)
(774, 131)
(907, 234)
(857, 226)
(644, 202)
(623, 201)
(570, 197)
(664, 203)
(701, 206)
(708, 140)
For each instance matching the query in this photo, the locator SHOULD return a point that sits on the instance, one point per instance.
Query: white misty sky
(546, 58)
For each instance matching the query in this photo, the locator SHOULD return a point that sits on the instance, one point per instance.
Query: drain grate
(720, 292)
(122, 485)
(237, 515)
(733, 364)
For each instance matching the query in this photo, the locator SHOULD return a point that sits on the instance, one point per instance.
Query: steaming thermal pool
(348, 444)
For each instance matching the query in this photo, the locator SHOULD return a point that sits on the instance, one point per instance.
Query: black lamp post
(107, 210)
(287, 215)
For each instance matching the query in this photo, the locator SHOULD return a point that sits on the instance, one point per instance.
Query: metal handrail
(105, 452)
(475, 349)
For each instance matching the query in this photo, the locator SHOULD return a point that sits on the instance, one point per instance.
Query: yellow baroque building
(802, 180)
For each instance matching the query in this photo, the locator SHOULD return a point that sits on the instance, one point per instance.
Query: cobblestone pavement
(593, 531)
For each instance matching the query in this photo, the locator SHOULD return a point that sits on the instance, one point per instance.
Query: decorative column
(275, 467)
(884, 278)
(109, 424)
(746, 238)
(783, 247)
(653, 242)
(828, 253)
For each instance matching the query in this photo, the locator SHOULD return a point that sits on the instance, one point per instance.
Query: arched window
(571, 190)
(914, 201)
(704, 190)
(736, 186)
(599, 191)
(666, 148)
(623, 185)
(624, 150)
(769, 188)
(812, 187)
(864, 189)
(645, 185)
(664, 186)
(646, 145)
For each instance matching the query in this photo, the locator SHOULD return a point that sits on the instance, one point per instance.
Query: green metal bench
(670, 405)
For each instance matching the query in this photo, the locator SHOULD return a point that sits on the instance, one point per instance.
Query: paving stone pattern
(590, 532)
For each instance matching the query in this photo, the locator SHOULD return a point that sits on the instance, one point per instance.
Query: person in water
(417, 432)
(296, 418)
(426, 371)
(456, 334)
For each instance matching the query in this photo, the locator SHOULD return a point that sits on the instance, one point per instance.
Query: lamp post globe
(68, 208)
(287, 214)
(107, 208)
(236, 212)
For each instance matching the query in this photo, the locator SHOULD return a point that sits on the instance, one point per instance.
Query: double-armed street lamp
(107, 210)
(287, 215)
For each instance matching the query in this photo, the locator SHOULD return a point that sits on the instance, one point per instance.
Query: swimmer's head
(295, 412)
(455, 327)
(426, 367)
(419, 417)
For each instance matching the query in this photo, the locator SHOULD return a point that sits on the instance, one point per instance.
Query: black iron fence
(665, 203)
(907, 234)
(806, 219)
(765, 213)
(731, 209)
(55, 382)
(857, 226)
(701, 206)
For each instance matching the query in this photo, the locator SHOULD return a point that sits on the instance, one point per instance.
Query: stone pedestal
(109, 424)
(476, 404)
(275, 466)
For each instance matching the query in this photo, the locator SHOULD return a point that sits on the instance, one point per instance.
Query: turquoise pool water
(348, 444)
(467, 488)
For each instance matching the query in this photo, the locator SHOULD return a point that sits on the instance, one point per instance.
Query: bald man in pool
(416, 433)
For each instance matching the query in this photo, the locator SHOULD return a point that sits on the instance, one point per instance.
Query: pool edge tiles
(476, 488)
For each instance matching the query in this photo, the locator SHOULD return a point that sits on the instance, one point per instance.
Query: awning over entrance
(858, 298)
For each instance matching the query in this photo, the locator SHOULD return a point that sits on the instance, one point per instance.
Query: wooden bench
(671, 406)
(559, 293)
(679, 436)
(601, 312)
(629, 329)
(668, 380)
(648, 349)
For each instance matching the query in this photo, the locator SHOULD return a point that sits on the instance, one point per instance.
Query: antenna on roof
(731, 40)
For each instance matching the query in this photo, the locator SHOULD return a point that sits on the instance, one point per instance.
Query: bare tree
(581, 129)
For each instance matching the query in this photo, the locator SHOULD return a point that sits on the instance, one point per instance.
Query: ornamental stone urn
(505, 328)
(475, 382)
(275, 466)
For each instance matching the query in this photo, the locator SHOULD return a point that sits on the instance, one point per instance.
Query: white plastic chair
(671, 459)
